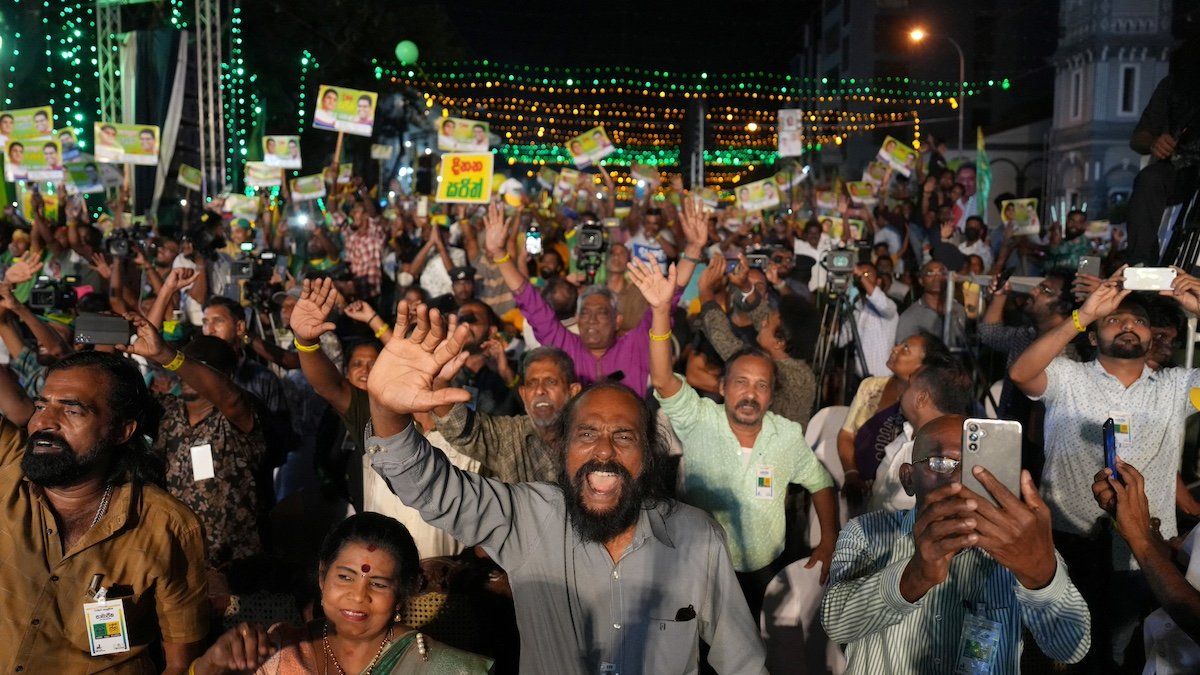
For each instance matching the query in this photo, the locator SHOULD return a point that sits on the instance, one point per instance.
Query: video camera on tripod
(590, 247)
(839, 263)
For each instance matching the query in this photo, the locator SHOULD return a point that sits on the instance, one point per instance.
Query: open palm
(402, 378)
(495, 230)
(656, 288)
(311, 314)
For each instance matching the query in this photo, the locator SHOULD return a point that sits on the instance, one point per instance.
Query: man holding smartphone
(1148, 408)
(951, 585)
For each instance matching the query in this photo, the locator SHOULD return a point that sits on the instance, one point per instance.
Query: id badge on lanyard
(105, 623)
(977, 646)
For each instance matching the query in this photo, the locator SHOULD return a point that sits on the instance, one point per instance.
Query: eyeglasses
(1048, 291)
(468, 318)
(934, 273)
(940, 465)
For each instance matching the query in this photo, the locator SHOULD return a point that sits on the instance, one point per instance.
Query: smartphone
(101, 329)
(731, 265)
(533, 241)
(996, 446)
(1149, 278)
(1089, 264)
(758, 261)
(1110, 447)
(422, 207)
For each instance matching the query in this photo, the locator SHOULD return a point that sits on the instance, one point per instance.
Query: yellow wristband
(307, 349)
(175, 363)
(659, 338)
(382, 329)
(1075, 318)
(502, 259)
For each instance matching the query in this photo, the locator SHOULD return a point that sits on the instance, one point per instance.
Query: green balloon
(406, 52)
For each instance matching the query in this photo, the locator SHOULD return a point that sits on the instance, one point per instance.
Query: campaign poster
(835, 227)
(84, 178)
(126, 143)
(1021, 216)
(590, 147)
(306, 188)
(900, 156)
(34, 161)
(783, 179)
(547, 177)
(68, 141)
(646, 173)
(49, 203)
(455, 134)
(190, 177)
(382, 151)
(261, 174)
(789, 126)
(862, 193)
(465, 178)
(564, 189)
(281, 151)
(875, 172)
(26, 123)
(759, 195)
(241, 206)
(826, 200)
(347, 110)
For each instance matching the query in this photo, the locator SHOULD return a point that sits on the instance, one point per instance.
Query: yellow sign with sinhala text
(465, 178)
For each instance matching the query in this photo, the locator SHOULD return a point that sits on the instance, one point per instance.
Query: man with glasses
(929, 311)
(1148, 409)
(951, 585)
(486, 374)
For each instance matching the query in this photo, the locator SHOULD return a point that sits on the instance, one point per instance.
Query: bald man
(908, 589)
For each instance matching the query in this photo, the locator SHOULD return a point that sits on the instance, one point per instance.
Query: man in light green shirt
(737, 458)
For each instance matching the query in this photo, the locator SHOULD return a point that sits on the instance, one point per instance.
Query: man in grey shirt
(929, 311)
(608, 575)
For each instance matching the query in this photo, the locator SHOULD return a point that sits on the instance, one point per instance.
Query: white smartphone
(1149, 278)
(996, 446)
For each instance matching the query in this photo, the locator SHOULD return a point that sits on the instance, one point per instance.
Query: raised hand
(178, 279)
(310, 317)
(7, 300)
(712, 278)
(23, 269)
(360, 311)
(1186, 290)
(1016, 533)
(242, 648)
(1105, 299)
(149, 344)
(945, 526)
(495, 230)
(695, 223)
(402, 378)
(1128, 505)
(655, 288)
(101, 266)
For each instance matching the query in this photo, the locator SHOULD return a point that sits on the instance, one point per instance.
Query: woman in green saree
(368, 568)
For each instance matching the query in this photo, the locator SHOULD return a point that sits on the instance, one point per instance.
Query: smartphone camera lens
(973, 447)
(973, 437)
(973, 427)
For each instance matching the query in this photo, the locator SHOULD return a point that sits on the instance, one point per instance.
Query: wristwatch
(692, 258)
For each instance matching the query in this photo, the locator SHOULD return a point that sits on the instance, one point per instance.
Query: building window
(1127, 101)
(1076, 93)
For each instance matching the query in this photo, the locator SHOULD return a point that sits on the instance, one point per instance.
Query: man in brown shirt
(78, 503)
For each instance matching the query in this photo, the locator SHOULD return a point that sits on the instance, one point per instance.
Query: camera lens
(973, 447)
(973, 437)
(973, 427)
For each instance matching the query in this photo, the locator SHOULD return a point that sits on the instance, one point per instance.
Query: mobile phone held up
(1149, 278)
(1110, 447)
(996, 446)
(533, 241)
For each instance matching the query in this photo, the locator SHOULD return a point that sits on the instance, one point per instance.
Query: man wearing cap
(1148, 410)
(462, 289)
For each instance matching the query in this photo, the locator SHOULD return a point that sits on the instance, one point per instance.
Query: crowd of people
(363, 435)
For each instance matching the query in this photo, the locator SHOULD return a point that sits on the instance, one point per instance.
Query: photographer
(52, 344)
(875, 317)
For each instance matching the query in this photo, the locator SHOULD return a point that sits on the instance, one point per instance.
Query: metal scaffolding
(209, 96)
(108, 58)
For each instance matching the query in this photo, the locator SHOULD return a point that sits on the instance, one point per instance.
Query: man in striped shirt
(953, 582)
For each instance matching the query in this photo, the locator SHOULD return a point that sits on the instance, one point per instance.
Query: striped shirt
(885, 633)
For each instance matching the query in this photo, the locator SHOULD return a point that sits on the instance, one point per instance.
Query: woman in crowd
(874, 406)
(368, 569)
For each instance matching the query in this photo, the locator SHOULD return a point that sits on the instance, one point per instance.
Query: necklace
(103, 509)
(329, 657)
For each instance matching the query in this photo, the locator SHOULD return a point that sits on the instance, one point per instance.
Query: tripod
(838, 308)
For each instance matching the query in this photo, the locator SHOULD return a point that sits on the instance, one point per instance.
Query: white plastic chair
(794, 639)
(821, 435)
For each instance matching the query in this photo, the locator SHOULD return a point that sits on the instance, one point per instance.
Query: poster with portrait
(710, 197)
(34, 161)
(1021, 216)
(281, 151)
(758, 196)
(262, 175)
(307, 188)
(900, 156)
(590, 147)
(84, 177)
(457, 134)
(348, 110)
(126, 143)
(382, 151)
(547, 177)
(564, 189)
(27, 123)
(646, 173)
(826, 200)
(465, 178)
(190, 177)
(835, 227)
(49, 201)
(861, 193)
(875, 173)
(789, 126)
(68, 141)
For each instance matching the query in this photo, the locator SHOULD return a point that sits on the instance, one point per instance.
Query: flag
(983, 175)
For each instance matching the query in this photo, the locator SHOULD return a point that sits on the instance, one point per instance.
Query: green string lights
(307, 62)
(547, 153)
(76, 51)
(239, 102)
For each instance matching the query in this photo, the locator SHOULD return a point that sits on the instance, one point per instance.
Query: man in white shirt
(814, 245)
(875, 316)
(973, 242)
(937, 389)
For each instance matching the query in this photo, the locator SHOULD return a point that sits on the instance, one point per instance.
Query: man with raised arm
(608, 575)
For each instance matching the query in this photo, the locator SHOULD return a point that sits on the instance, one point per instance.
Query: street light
(919, 34)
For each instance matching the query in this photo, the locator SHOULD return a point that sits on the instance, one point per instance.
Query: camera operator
(929, 311)
(876, 317)
(52, 344)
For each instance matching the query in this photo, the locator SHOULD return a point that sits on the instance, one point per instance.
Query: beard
(59, 466)
(1118, 349)
(744, 415)
(603, 527)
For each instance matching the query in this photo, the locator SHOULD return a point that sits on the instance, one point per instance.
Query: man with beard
(519, 448)
(1148, 408)
(608, 575)
(81, 502)
(739, 458)
(973, 242)
(1064, 252)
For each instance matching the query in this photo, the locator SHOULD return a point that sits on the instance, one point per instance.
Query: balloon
(406, 52)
